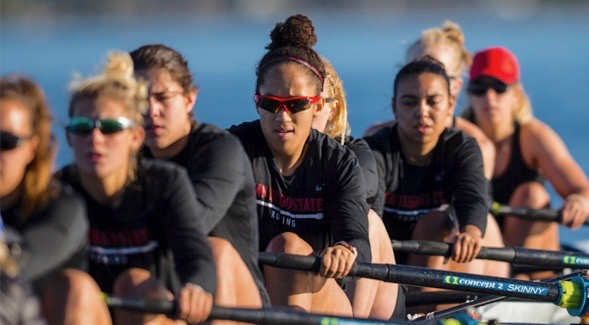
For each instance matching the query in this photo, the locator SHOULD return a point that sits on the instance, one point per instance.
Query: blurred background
(366, 41)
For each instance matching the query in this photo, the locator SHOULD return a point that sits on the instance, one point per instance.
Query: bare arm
(544, 149)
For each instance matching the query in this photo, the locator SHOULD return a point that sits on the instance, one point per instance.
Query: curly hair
(292, 42)
(38, 187)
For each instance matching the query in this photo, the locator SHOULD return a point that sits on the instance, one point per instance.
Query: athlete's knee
(223, 251)
(435, 225)
(289, 242)
(74, 284)
(532, 194)
(136, 282)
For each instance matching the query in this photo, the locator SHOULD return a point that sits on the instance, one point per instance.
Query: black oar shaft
(256, 316)
(424, 277)
(547, 215)
(518, 255)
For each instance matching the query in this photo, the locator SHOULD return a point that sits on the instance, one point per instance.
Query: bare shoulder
(538, 140)
(469, 128)
(536, 132)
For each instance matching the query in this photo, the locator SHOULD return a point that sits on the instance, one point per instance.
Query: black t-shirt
(155, 223)
(223, 181)
(369, 168)
(454, 176)
(53, 237)
(323, 202)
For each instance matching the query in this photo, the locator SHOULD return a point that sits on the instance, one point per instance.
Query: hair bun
(119, 64)
(296, 31)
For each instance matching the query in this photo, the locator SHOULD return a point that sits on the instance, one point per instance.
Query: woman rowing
(146, 236)
(528, 151)
(47, 216)
(310, 189)
(431, 176)
(446, 44)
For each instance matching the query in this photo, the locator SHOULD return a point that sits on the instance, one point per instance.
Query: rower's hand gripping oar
(517, 255)
(547, 215)
(570, 294)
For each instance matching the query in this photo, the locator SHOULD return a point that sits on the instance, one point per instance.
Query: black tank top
(516, 173)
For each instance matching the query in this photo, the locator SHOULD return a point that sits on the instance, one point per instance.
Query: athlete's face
(422, 104)
(100, 155)
(493, 107)
(286, 132)
(168, 117)
(15, 121)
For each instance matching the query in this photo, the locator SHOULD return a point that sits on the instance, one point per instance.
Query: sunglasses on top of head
(292, 105)
(9, 141)
(479, 87)
(83, 126)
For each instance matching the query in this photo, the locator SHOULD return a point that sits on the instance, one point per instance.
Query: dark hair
(426, 64)
(160, 56)
(292, 41)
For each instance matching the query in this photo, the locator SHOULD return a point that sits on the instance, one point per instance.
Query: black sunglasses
(83, 126)
(479, 88)
(292, 105)
(9, 141)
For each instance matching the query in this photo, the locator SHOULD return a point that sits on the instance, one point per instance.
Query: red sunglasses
(292, 105)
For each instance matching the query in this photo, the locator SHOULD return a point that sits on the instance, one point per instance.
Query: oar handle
(529, 213)
(518, 255)
(150, 306)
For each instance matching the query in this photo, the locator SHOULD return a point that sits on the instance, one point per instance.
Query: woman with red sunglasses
(527, 152)
(146, 236)
(310, 189)
(47, 215)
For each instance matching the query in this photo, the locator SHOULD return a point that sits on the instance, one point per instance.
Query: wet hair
(116, 82)
(338, 126)
(448, 34)
(37, 182)
(427, 64)
(292, 43)
(160, 56)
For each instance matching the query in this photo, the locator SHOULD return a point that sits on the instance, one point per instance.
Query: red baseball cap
(496, 62)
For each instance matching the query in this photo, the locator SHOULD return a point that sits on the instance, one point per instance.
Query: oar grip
(290, 261)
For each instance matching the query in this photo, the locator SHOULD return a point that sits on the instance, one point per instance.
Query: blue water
(366, 47)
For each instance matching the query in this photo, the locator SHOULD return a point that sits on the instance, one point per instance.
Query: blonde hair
(116, 82)
(448, 34)
(521, 112)
(337, 126)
